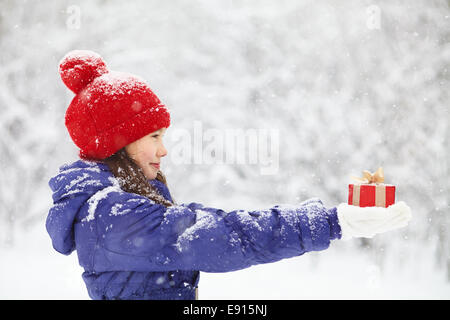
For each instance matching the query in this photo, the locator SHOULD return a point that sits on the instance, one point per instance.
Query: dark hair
(132, 179)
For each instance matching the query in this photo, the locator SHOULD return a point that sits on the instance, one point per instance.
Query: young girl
(114, 208)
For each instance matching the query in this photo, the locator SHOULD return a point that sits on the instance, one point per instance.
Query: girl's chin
(151, 173)
(150, 177)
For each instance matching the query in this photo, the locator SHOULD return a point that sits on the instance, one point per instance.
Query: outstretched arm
(143, 236)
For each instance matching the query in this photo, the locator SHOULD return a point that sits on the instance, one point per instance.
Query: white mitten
(368, 221)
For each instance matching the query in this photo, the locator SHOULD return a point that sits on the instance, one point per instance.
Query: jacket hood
(72, 187)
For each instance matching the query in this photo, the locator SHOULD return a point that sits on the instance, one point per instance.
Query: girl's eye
(156, 136)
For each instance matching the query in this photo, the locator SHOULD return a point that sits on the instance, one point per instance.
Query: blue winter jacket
(132, 248)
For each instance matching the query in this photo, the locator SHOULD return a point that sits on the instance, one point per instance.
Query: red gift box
(371, 192)
(371, 195)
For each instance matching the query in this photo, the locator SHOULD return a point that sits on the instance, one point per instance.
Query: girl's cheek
(148, 157)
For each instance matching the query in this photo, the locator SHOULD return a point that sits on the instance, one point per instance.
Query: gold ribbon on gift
(380, 189)
(368, 177)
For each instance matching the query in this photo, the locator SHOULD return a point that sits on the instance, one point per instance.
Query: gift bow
(376, 177)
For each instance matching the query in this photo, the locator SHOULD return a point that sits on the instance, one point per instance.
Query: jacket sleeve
(139, 235)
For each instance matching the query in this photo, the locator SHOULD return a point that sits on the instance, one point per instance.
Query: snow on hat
(110, 109)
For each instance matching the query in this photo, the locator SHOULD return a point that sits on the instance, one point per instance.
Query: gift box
(370, 191)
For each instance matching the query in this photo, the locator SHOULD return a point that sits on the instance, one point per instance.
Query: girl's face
(148, 151)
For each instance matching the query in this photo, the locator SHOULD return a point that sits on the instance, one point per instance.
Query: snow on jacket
(132, 248)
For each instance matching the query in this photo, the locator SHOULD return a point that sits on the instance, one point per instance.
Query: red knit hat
(111, 109)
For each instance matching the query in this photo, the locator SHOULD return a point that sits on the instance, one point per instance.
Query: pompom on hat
(110, 109)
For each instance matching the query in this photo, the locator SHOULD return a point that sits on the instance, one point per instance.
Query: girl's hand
(368, 221)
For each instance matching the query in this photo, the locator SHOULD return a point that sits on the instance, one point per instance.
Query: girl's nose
(162, 151)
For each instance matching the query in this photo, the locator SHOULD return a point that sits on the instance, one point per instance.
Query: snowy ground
(33, 270)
